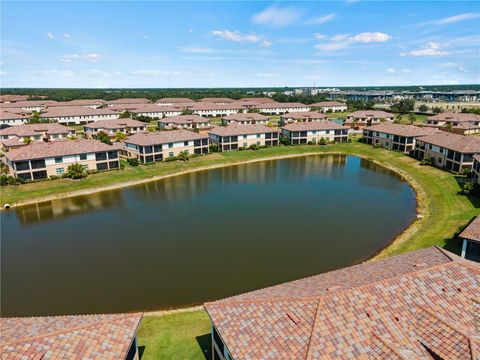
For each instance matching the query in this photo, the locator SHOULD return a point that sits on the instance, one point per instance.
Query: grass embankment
(442, 209)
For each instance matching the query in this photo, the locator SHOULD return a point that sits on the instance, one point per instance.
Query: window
(170, 145)
(58, 160)
(245, 137)
(102, 166)
(59, 171)
(83, 156)
(258, 136)
(327, 132)
(37, 164)
(112, 154)
(171, 154)
(185, 143)
(101, 156)
(245, 144)
(39, 175)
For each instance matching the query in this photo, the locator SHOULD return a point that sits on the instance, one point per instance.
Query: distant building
(459, 123)
(275, 108)
(111, 127)
(90, 103)
(8, 99)
(157, 146)
(448, 151)
(40, 160)
(13, 118)
(101, 336)
(364, 118)
(395, 136)
(314, 131)
(245, 119)
(471, 241)
(128, 101)
(330, 106)
(215, 110)
(184, 122)
(173, 101)
(15, 136)
(419, 305)
(235, 136)
(155, 111)
(218, 101)
(76, 115)
(302, 116)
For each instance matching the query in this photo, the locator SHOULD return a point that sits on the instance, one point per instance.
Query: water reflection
(61, 208)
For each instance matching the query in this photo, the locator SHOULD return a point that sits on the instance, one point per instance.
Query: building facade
(41, 160)
(314, 131)
(364, 118)
(235, 136)
(184, 122)
(21, 135)
(471, 241)
(330, 106)
(77, 115)
(245, 119)
(157, 146)
(112, 127)
(302, 116)
(275, 108)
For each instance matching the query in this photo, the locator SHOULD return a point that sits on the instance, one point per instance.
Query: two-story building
(214, 110)
(217, 100)
(173, 101)
(245, 119)
(13, 118)
(21, 135)
(128, 102)
(302, 116)
(76, 115)
(184, 122)
(235, 136)
(459, 123)
(329, 106)
(449, 151)
(40, 160)
(125, 126)
(276, 108)
(476, 168)
(471, 240)
(155, 111)
(157, 146)
(364, 118)
(395, 136)
(314, 131)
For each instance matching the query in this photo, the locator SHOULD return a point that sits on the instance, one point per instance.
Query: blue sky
(239, 44)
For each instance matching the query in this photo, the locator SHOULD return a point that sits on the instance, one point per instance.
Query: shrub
(3, 180)
(214, 148)
(467, 172)
(377, 146)
(241, 148)
(311, 143)
(322, 141)
(426, 161)
(254, 147)
(133, 162)
(104, 138)
(284, 140)
(468, 187)
(76, 171)
(183, 156)
(171, 158)
(54, 177)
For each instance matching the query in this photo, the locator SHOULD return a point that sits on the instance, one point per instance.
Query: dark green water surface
(198, 237)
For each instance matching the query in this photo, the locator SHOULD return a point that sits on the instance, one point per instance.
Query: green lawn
(183, 335)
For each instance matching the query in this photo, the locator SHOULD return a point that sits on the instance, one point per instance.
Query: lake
(203, 236)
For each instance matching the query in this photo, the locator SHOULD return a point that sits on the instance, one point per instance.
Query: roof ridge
(76, 328)
(452, 324)
(392, 346)
(311, 331)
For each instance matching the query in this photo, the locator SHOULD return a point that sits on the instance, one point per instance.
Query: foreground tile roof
(472, 231)
(40, 150)
(313, 125)
(387, 309)
(240, 129)
(460, 143)
(106, 336)
(10, 115)
(163, 137)
(402, 130)
(36, 129)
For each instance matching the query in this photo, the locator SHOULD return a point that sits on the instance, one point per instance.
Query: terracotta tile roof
(10, 115)
(258, 100)
(472, 231)
(328, 103)
(184, 119)
(369, 114)
(453, 116)
(13, 98)
(402, 130)
(376, 310)
(12, 142)
(239, 129)
(80, 102)
(465, 125)
(129, 101)
(163, 137)
(106, 337)
(153, 108)
(217, 100)
(40, 150)
(64, 111)
(277, 105)
(115, 124)
(304, 115)
(245, 117)
(212, 106)
(174, 100)
(460, 143)
(313, 125)
(36, 129)
(29, 103)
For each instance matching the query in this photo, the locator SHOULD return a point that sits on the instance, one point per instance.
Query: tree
(125, 114)
(411, 118)
(449, 127)
(437, 110)
(187, 112)
(403, 106)
(183, 155)
(468, 187)
(120, 136)
(76, 171)
(423, 108)
(322, 141)
(27, 140)
(104, 138)
(214, 148)
(398, 118)
(36, 119)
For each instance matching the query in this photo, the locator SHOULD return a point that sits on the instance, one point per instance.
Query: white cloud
(320, 19)
(454, 19)
(390, 70)
(266, 43)
(197, 50)
(367, 37)
(319, 36)
(142, 34)
(339, 37)
(49, 35)
(332, 46)
(149, 72)
(3, 73)
(406, 71)
(66, 35)
(277, 17)
(429, 49)
(236, 36)
(91, 58)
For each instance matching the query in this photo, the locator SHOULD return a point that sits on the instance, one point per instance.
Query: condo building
(245, 119)
(364, 118)
(21, 135)
(157, 146)
(125, 126)
(302, 116)
(329, 106)
(314, 131)
(184, 122)
(77, 115)
(274, 108)
(235, 136)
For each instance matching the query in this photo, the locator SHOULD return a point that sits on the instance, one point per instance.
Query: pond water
(198, 237)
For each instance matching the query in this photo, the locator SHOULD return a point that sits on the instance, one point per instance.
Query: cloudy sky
(239, 44)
